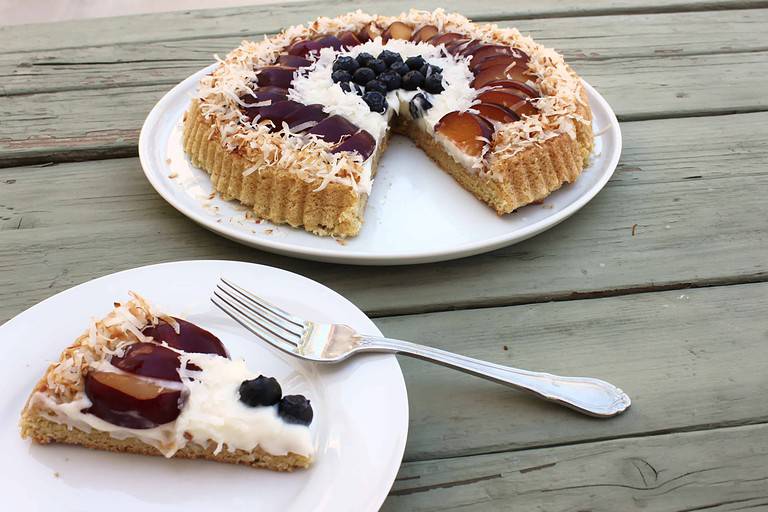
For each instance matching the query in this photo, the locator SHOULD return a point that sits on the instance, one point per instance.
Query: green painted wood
(691, 186)
(271, 18)
(585, 38)
(86, 124)
(721, 470)
(689, 359)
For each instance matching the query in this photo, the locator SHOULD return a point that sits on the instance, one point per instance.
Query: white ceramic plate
(416, 213)
(361, 408)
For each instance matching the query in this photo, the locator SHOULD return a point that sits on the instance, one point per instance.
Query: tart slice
(143, 382)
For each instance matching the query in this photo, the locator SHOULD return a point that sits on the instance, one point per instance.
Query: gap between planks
(704, 427)
(722, 281)
(686, 472)
(521, 11)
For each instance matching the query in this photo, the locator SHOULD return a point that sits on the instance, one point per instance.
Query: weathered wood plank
(692, 187)
(585, 38)
(271, 18)
(86, 124)
(720, 470)
(688, 359)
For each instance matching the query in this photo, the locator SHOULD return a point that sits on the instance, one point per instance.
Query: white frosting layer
(212, 412)
(317, 87)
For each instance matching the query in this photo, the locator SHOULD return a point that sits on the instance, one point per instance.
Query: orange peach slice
(397, 30)
(424, 33)
(469, 132)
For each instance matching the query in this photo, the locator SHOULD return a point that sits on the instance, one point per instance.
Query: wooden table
(658, 285)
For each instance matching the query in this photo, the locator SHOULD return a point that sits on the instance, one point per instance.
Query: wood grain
(88, 102)
(718, 470)
(690, 188)
(584, 38)
(659, 283)
(261, 19)
(687, 358)
(78, 125)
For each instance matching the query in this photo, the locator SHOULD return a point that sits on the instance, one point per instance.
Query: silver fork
(333, 343)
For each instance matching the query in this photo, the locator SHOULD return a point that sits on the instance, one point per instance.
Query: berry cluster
(373, 77)
(266, 391)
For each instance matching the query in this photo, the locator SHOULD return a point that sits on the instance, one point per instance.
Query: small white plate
(361, 408)
(416, 212)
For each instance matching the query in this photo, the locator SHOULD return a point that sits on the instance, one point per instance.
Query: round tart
(294, 125)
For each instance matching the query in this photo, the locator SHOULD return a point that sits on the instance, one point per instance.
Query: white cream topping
(212, 411)
(317, 87)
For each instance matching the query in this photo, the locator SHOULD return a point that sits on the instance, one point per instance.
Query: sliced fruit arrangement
(501, 75)
(189, 337)
(469, 132)
(496, 113)
(276, 76)
(145, 389)
(126, 398)
(510, 99)
(129, 401)
(362, 142)
(270, 105)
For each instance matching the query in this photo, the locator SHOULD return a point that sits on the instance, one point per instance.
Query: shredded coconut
(103, 339)
(561, 107)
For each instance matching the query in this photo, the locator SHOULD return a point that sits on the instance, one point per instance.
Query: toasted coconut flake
(561, 105)
(103, 339)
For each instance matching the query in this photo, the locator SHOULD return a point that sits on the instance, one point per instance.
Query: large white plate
(361, 408)
(416, 213)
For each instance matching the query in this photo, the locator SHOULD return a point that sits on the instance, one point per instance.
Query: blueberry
(364, 58)
(295, 409)
(363, 75)
(412, 80)
(390, 79)
(400, 68)
(346, 63)
(260, 391)
(376, 85)
(428, 69)
(377, 65)
(418, 105)
(434, 83)
(376, 101)
(351, 87)
(390, 57)
(341, 76)
(415, 63)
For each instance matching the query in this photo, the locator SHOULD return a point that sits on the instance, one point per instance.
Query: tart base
(529, 177)
(44, 431)
(274, 195)
(283, 198)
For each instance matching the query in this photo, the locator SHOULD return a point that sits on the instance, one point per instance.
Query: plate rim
(398, 382)
(366, 258)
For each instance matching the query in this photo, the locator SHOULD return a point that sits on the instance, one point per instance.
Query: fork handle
(593, 397)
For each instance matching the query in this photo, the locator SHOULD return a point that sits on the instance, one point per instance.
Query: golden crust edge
(43, 431)
(528, 177)
(272, 194)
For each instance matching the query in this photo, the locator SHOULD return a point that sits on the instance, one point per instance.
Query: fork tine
(265, 328)
(238, 317)
(299, 322)
(266, 321)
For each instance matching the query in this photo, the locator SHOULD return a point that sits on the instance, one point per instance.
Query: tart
(294, 125)
(143, 382)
